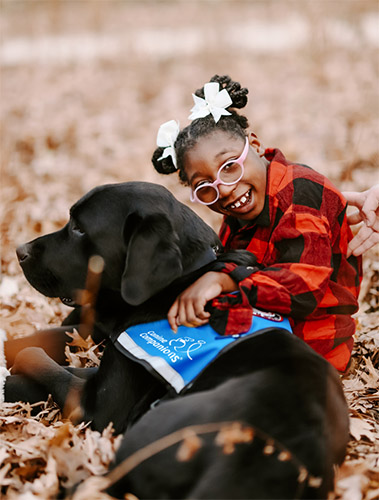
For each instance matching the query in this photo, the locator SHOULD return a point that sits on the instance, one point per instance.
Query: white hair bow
(214, 103)
(166, 137)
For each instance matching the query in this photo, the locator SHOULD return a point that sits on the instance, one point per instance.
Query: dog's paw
(29, 361)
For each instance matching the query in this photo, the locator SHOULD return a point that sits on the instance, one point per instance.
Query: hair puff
(165, 165)
(237, 93)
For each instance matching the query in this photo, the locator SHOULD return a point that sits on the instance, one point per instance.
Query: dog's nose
(22, 252)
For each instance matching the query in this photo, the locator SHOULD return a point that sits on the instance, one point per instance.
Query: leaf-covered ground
(85, 86)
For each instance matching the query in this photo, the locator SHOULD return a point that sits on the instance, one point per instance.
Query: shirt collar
(263, 218)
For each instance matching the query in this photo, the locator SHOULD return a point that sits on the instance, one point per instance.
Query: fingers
(172, 314)
(187, 312)
(362, 241)
(370, 211)
(362, 235)
(191, 311)
(189, 307)
(354, 199)
(366, 245)
(354, 218)
(368, 205)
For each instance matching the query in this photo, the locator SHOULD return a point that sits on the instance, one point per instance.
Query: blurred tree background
(86, 84)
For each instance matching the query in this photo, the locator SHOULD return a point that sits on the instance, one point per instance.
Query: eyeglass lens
(229, 174)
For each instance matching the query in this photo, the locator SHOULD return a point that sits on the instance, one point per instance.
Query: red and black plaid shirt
(300, 241)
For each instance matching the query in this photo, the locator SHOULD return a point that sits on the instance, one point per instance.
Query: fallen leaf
(360, 428)
(189, 447)
(233, 434)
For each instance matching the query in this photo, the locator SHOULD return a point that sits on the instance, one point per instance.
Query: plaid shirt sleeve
(296, 282)
(306, 273)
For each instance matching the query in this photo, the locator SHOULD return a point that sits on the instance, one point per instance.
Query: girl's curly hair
(234, 124)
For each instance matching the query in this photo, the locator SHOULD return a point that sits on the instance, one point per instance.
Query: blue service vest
(180, 357)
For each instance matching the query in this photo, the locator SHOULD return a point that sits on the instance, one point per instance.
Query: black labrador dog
(286, 399)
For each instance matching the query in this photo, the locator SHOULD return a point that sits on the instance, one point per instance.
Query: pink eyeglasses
(228, 174)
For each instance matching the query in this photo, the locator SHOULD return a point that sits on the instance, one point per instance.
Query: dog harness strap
(179, 358)
(157, 363)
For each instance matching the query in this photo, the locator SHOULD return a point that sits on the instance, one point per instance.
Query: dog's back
(291, 403)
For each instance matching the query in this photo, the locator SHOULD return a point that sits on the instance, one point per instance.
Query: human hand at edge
(189, 307)
(367, 203)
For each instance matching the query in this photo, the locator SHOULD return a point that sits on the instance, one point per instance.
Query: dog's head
(146, 237)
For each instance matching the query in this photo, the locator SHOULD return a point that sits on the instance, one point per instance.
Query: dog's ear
(153, 257)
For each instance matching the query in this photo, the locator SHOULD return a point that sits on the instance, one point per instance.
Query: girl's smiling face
(243, 200)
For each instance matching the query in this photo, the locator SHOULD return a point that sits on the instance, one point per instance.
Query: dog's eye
(75, 228)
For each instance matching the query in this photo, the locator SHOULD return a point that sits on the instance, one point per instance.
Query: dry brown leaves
(82, 353)
(41, 455)
(358, 478)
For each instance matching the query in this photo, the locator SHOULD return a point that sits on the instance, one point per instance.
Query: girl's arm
(189, 307)
(294, 284)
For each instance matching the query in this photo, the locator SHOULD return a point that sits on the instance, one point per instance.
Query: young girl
(289, 216)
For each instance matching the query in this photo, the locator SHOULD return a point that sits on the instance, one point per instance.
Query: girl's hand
(188, 308)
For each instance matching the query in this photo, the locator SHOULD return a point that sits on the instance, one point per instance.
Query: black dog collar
(208, 256)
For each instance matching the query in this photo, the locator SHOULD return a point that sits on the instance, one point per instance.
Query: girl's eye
(228, 167)
(201, 183)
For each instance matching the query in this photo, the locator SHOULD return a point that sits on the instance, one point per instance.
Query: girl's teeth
(240, 202)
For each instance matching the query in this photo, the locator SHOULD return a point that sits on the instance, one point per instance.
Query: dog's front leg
(53, 341)
(65, 388)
